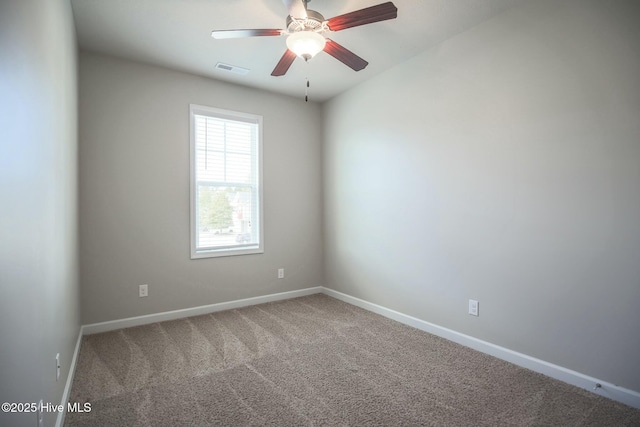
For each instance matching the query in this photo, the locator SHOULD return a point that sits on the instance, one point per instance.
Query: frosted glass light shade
(306, 44)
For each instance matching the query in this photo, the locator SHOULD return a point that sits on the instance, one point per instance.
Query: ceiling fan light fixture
(306, 44)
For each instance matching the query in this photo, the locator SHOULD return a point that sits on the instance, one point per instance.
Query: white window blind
(226, 202)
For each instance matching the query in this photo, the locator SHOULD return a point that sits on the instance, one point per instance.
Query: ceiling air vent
(231, 68)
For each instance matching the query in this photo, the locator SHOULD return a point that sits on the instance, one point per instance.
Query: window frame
(202, 110)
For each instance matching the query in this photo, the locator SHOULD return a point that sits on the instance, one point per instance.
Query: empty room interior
(433, 218)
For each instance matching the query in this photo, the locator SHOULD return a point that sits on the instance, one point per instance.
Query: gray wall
(504, 166)
(39, 312)
(134, 192)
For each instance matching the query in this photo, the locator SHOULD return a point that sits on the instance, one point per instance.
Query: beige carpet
(313, 361)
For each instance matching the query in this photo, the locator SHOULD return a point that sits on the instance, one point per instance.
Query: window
(226, 184)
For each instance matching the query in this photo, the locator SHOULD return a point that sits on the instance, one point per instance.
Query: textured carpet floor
(313, 361)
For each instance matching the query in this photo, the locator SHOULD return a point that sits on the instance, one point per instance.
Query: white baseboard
(67, 386)
(606, 389)
(112, 325)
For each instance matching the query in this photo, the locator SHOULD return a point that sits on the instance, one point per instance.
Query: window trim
(195, 109)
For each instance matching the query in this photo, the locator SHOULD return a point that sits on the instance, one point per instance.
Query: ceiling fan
(304, 29)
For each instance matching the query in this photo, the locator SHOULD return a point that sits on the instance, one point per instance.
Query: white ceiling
(177, 34)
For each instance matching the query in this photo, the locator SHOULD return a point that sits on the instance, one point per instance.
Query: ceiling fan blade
(284, 64)
(345, 56)
(378, 13)
(296, 8)
(235, 34)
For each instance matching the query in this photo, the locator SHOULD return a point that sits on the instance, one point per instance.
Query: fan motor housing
(313, 22)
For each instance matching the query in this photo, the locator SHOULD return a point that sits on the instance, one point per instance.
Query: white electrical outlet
(473, 307)
(281, 273)
(57, 366)
(143, 290)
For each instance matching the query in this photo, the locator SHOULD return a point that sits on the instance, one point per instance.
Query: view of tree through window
(226, 182)
(215, 210)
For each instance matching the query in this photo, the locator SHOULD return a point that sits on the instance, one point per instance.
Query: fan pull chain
(306, 91)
